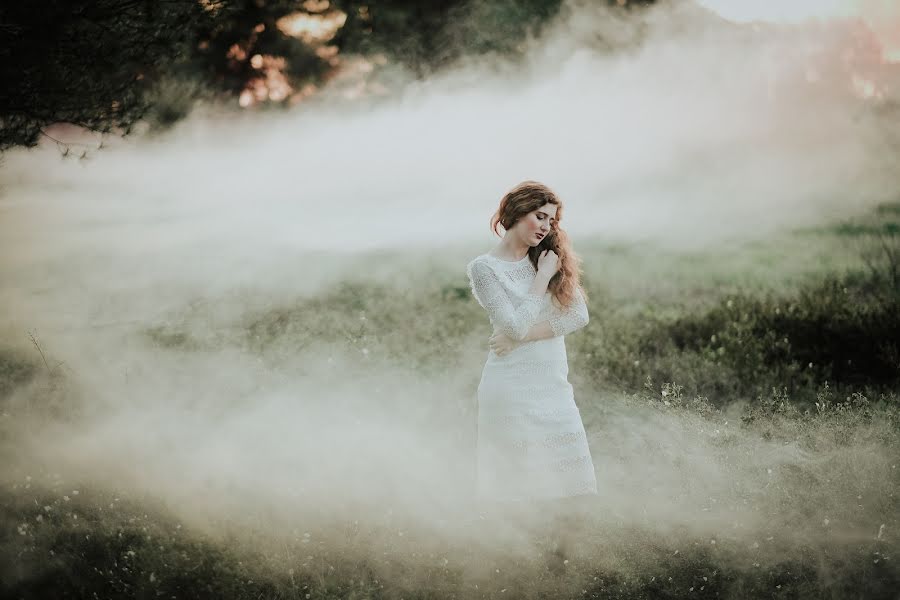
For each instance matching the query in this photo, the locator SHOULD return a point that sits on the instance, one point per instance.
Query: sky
(883, 16)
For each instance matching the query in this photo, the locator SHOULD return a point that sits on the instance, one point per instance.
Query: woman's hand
(548, 262)
(502, 344)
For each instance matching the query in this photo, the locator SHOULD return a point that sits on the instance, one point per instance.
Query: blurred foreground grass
(794, 340)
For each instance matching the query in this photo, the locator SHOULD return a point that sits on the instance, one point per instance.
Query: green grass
(15, 370)
(791, 344)
(120, 544)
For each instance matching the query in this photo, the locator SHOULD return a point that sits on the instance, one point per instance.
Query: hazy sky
(883, 16)
(798, 10)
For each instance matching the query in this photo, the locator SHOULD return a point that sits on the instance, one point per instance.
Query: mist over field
(249, 344)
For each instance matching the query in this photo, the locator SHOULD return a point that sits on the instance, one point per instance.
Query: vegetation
(808, 362)
(109, 65)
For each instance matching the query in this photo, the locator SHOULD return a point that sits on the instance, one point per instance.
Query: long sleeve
(487, 289)
(571, 318)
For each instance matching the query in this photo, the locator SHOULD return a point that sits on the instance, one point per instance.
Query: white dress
(531, 442)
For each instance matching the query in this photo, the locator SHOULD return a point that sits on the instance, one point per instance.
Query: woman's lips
(539, 235)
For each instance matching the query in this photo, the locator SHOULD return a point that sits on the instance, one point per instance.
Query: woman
(531, 442)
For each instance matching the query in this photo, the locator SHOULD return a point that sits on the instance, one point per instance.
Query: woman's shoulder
(486, 261)
(479, 260)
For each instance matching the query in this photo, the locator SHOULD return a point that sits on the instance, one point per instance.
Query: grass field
(741, 405)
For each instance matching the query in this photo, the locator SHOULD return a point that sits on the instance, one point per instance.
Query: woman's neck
(508, 249)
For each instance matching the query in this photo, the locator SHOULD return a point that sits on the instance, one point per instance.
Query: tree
(107, 64)
(427, 36)
(90, 63)
(249, 48)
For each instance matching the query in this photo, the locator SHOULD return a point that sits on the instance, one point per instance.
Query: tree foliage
(104, 64)
(90, 63)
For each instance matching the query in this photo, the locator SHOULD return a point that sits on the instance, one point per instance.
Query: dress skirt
(531, 441)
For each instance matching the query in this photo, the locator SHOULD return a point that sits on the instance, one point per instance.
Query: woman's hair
(521, 200)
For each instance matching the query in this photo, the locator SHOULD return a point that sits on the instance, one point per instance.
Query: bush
(844, 329)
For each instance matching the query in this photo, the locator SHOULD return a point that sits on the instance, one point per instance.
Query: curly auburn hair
(518, 202)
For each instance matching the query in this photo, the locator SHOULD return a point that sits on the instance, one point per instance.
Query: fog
(693, 139)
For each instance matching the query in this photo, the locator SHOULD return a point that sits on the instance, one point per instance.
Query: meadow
(741, 403)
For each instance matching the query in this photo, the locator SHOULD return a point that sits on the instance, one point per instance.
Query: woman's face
(534, 227)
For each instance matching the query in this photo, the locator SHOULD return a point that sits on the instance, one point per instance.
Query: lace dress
(531, 442)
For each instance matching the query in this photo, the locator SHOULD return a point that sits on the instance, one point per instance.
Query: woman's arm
(539, 331)
(514, 322)
(570, 319)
